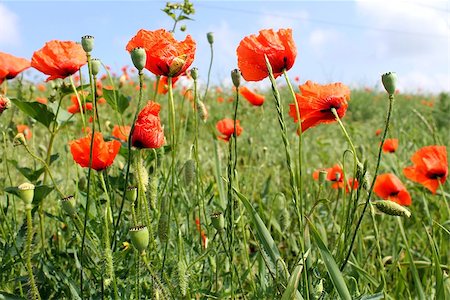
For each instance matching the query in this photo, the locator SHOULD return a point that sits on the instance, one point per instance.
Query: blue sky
(352, 41)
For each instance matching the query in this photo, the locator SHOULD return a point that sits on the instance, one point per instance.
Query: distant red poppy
(11, 66)
(121, 132)
(390, 145)
(202, 233)
(226, 128)
(59, 59)
(279, 47)
(5, 103)
(378, 132)
(103, 153)
(75, 107)
(41, 100)
(41, 87)
(21, 128)
(430, 167)
(316, 101)
(389, 187)
(220, 99)
(148, 132)
(163, 87)
(252, 97)
(165, 55)
(351, 183)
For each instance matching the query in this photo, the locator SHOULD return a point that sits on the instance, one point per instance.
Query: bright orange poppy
(165, 55)
(389, 187)
(103, 153)
(121, 132)
(279, 47)
(148, 132)
(11, 66)
(430, 167)
(59, 59)
(75, 107)
(5, 103)
(42, 100)
(226, 128)
(21, 128)
(316, 101)
(252, 97)
(390, 145)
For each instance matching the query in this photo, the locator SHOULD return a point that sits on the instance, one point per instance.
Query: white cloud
(9, 32)
(323, 39)
(417, 81)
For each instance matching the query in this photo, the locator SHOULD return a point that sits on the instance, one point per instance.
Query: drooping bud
(26, 192)
(218, 221)
(95, 66)
(139, 237)
(87, 42)
(68, 204)
(5, 103)
(139, 57)
(389, 82)
(210, 37)
(194, 73)
(176, 65)
(19, 139)
(236, 77)
(392, 208)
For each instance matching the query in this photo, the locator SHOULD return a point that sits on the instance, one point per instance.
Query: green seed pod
(87, 42)
(26, 192)
(392, 208)
(189, 171)
(131, 193)
(210, 37)
(139, 237)
(389, 82)
(95, 66)
(218, 221)
(183, 28)
(194, 73)
(322, 176)
(139, 57)
(236, 77)
(68, 204)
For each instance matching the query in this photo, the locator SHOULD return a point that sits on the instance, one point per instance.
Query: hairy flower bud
(392, 208)
(210, 37)
(236, 77)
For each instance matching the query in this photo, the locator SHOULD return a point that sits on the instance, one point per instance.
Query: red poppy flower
(41, 100)
(351, 183)
(5, 103)
(11, 66)
(21, 128)
(389, 187)
(378, 132)
(121, 132)
(390, 145)
(75, 107)
(316, 101)
(165, 55)
(59, 59)
(279, 47)
(103, 153)
(430, 167)
(226, 128)
(252, 97)
(148, 132)
(163, 87)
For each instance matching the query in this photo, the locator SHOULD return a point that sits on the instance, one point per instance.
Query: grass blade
(440, 292)
(291, 289)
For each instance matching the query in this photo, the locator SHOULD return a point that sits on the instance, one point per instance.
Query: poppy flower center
(333, 103)
(394, 194)
(435, 175)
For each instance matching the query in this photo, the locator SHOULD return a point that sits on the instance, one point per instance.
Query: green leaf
(335, 274)
(116, 100)
(8, 296)
(440, 291)
(291, 289)
(35, 110)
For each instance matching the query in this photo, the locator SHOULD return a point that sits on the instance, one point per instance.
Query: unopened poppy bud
(5, 103)
(177, 64)
(389, 82)
(87, 42)
(218, 221)
(236, 77)
(202, 111)
(392, 208)
(26, 192)
(210, 37)
(194, 73)
(139, 237)
(95, 66)
(322, 176)
(68, 204)
(189, 171)
(19, 139)
(183, 28)
(139, 57)
(32, 88)
(131, 193)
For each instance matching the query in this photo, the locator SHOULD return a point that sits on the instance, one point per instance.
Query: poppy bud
(177, 65)
(139, 237)
(19, 139)
(210, 37)
(322, 176)
(202, 111)
(68, 204)
(95, 66)
(26, 192)
(236, 77)
(183, 28)
(389, 82)
(218, 221)
(189, 171)
(131, 193)
(392, 208)
(194, 73)
(87, 42)
(32, 88)
(139, 57)
(5, 103)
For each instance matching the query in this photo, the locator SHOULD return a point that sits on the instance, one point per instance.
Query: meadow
(139, 185)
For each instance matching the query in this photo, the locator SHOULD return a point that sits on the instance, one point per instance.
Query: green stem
(209, 71)
(34, 289)
(72, 83)
(349, 140)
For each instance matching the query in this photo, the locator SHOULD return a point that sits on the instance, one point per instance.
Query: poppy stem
(344, 131)
(155, 92)
(444, 198)
(72, 83)
(29, 254)
(209, 71)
